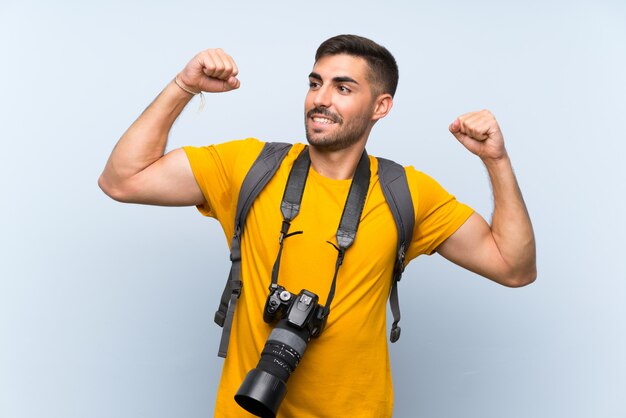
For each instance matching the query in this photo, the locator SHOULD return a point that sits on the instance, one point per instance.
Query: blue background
(106, 309)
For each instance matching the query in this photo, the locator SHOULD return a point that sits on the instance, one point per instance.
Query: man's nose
(323, 97)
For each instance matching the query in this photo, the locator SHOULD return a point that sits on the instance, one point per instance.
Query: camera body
(296, 319)
(302, 310)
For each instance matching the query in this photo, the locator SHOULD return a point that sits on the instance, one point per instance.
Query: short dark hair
(383, 66)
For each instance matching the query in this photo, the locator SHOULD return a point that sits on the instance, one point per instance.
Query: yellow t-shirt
(345, 372)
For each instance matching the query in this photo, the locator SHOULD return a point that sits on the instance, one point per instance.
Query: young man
(345, 371)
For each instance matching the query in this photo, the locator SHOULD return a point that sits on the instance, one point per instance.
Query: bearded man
(346, 372)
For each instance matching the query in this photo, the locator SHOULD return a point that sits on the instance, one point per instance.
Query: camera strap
(290, 205)
(350, 218)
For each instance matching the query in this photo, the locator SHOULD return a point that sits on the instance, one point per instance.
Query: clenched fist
(479, 132)
(212, 71)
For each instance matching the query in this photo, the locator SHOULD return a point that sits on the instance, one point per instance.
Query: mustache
(324, 112)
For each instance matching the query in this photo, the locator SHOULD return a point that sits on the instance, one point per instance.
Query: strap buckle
(395, 334)
(399, 269)
(219, 318)
(235, 287)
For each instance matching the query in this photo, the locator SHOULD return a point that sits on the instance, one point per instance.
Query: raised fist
(479, 132)
(212, 71)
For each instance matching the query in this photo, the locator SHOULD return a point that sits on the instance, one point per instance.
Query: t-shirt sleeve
(437, 213)
(219, 171)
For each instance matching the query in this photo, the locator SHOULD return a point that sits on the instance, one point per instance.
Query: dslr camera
(298, 318)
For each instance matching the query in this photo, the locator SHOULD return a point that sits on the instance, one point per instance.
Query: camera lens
(264, 387)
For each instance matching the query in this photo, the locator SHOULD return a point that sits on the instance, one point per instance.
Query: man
(345, 372)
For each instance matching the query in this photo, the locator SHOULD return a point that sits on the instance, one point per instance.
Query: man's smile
(322, 120)
(323, 116)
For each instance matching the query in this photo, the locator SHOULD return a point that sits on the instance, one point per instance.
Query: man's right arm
(137, 170)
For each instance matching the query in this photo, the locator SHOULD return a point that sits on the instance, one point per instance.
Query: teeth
(322, 120)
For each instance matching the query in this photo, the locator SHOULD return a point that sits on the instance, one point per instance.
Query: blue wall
(106, 309)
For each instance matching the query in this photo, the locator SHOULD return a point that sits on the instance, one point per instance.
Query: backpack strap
(395, 187)
(262, 170)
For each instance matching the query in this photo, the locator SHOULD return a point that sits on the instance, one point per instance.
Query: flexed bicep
(169, 181)
(474, 248)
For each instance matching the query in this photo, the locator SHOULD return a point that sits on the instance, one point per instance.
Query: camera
(298, 318)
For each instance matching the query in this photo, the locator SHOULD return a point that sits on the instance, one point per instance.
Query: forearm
(511, 226)
(145, 141)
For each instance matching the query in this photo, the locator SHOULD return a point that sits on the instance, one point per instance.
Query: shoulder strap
(395, 187)
(262, 170)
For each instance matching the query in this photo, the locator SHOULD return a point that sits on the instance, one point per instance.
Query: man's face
(339, 105)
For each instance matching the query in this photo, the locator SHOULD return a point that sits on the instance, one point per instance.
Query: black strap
(395, 187)
(262, 170)
(290, 205)
(292, 197)
(350, 218)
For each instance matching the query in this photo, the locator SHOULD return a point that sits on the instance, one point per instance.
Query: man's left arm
(505, 250)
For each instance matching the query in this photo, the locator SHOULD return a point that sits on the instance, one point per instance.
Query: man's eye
(344, 89)
(313, 84)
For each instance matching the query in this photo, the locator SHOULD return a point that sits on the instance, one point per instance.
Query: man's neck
(336, 165)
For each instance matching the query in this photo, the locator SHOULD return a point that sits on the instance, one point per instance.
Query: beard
(345, 134)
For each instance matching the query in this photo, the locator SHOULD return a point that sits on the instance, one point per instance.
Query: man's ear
(382, 106)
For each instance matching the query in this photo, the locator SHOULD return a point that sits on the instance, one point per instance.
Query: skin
(340, 110)
(505, 250)
(338, 86)
(348, 122)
